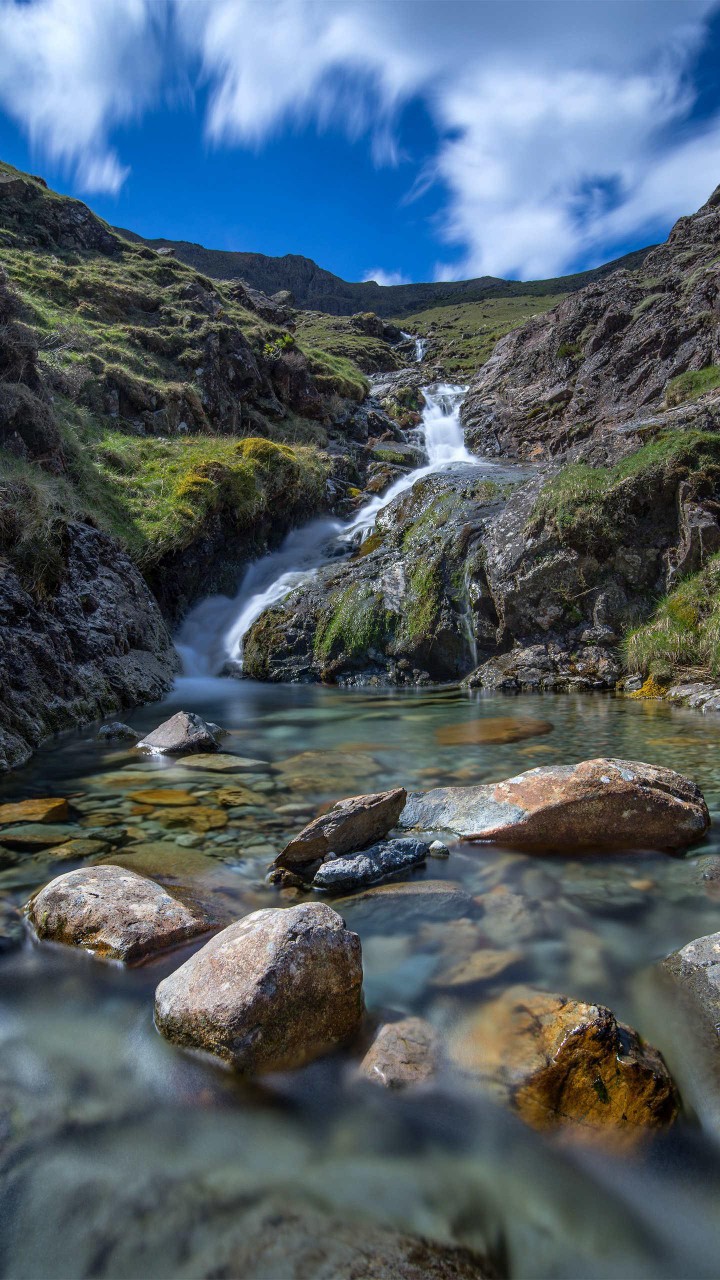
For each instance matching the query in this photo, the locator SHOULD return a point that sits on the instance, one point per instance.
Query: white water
(213, 632)
(420, 345)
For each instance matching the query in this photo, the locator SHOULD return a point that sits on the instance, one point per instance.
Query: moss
(683, 634)
(690, 385)
(386, 453)
(650, 689)
(569, 350)
(355, 621)
(425, 603)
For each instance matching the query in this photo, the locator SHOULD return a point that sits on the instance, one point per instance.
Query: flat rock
(36, 835)
(223, 763)
(158, 797)
(269, 993)
(401, 1054)
(349, 826)
(491, 730)
(597, 805)
(358, 870)
(558, 1061)
(184, 731)
(49, 810)
(112, 912)
(479, 966)
(76, 848)
(403, 902)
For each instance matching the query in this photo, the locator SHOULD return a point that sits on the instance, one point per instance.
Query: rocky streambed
(418, 1131)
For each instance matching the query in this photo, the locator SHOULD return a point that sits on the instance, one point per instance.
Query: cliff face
(623, 350)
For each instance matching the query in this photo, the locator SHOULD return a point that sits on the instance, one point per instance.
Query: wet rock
(558, 1061)
(185, 731)
(492, 729)
(380, 860)
(438, 850)
(117, 732)
(401, 1054)
(350, 825)
(550, 666)
(479, 966)
(76, 848)
(694, 971)
(273, 991)
(50, 810)
(399, 905)
(112, 912)
(161, 798)
(36, 835)
(222, 763)
(597, 804)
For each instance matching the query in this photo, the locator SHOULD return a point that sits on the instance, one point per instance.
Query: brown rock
(50, 810)
(349, 826)
(558, 1061)
(493, 729)
(184, 731)
(597, 805)
(162, 798)
(402, 1053)
(268, 993)
(112, 912)
(480, 966)
(222, 763)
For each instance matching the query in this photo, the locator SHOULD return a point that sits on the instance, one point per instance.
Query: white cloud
(386, 277)
(72, 69)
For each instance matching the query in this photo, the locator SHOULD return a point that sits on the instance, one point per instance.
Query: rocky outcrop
(114, 913)
(269, 993)
(558, 1061)
(97, 644)
(595, 805)
(605, 358)
(348, 826)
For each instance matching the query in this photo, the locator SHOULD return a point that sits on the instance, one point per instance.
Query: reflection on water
(123, 1156)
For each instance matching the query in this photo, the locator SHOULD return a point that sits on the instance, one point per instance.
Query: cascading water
(420, 345)
(212, 634)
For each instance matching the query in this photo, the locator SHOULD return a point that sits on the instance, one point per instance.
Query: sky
(396, 140)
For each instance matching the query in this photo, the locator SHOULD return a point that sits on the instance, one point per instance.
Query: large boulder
(558, 1061)
(350, 825)
(597, 805)
(269, 993)
(185, 731)
(114, 913)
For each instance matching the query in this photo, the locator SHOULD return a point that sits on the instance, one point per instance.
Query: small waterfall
(420, 345)
(213, 632)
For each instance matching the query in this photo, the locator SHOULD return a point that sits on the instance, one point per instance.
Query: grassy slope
(462, 337)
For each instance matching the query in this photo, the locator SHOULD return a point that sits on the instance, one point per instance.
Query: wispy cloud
(386, 277)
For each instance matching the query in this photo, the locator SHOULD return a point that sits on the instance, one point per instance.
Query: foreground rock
(380, 860)
(597, 804)
(273, 991)
(402, 1053)
(349, 826)
(112, 912)
(558, 1061)
(183, 732)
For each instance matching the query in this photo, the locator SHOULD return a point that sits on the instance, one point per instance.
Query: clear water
(213, 632)
(116, 1146)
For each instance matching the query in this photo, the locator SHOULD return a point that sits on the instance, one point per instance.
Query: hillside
(316, 289)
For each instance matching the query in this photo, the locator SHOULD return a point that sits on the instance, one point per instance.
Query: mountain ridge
(314, 288)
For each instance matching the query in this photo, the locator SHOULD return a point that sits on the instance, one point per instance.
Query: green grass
(690, 385)
(683, 634)
(337, 337)
(462, 337)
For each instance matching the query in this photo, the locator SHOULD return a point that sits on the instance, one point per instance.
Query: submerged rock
(350, 825)
(52, 809)
(36, 835)
(374, 864)
(117, 732)
(597, 804)
(401, 1054)
(558, 1061)
(112, 912)
(273, 991)
(184, 731)
(490, 730)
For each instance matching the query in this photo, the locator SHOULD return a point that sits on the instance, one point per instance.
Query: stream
(129, 1158)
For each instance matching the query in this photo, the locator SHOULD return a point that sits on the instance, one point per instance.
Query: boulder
(596, 805)
(401, 1054)
(558, 1061)
(112, 912)
(269, 993)
(350, 825)
(694, 971)
(117, 732)
(184, 731)
(50, 810)
(36, 835)
(361, 869)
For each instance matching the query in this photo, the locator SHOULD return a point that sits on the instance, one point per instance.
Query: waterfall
(213, 632)
(420, 345)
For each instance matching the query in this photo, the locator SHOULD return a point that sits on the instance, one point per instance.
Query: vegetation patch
(462, 337)
(683, 634)
(355, 621)
(690, 385)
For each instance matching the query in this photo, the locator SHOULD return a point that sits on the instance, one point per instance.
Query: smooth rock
(491, 730)
(161, 798)
(36, 835)
(558, 1061)
(403, 902)
(112, 912)
(401, 1054)
(184, 731)
(479, 966)
(597, 804)
(75, 848)
(222, 763)
(269, 993)
(349, 826)
(117, 732)
(360, 869)
(50, 810)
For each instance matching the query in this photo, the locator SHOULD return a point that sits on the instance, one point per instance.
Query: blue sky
(399, 139)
